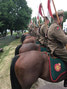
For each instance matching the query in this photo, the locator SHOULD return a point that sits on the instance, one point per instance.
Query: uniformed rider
(43, 31)
(57, 39)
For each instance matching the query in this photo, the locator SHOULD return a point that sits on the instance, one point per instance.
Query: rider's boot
(65, 83)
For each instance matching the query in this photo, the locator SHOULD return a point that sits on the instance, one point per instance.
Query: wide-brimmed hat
(60, 13)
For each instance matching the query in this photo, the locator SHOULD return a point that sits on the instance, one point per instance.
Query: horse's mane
(14, 82)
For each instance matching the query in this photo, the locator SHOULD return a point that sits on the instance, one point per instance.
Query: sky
(34, 5)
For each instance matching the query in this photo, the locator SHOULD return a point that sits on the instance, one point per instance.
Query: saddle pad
(42, 48)
(37, 42)
(57, 68)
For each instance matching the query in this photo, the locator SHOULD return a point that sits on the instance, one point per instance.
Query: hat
(45, 17)
(36, 26)
(60, 13)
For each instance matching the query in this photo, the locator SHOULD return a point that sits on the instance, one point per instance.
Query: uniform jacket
(56, 37)
(43, 33)
(44, 30)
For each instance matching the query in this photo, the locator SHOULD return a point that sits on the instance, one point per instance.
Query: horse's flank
(28, 68)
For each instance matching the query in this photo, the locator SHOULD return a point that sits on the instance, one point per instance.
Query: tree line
(14, 15)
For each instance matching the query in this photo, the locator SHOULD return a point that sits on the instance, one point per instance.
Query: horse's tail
(14, 82)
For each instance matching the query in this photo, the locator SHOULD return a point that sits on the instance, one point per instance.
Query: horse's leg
(28, 69)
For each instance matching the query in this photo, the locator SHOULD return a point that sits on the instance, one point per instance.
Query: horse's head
(23, 38)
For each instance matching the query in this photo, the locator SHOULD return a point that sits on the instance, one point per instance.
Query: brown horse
(25, 39)
(27, 67)
(29, 40)
(29, 47)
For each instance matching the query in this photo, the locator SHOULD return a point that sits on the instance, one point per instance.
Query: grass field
(5, 41)
(8, 44)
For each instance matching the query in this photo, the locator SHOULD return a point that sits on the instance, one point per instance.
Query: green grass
(5, 41)
(5, 44)
(5, 53)
(9, 45)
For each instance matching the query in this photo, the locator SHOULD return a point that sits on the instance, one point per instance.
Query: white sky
(34, 5)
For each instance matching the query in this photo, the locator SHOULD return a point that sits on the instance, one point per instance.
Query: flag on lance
(49, 8)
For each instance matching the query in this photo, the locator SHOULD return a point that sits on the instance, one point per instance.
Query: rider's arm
(60, 35)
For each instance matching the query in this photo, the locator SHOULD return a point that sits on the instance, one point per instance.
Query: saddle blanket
(42, 48)
(57, 68)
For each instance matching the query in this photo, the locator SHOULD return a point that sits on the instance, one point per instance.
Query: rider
(57, 39)
(43, 31)
(31, 30)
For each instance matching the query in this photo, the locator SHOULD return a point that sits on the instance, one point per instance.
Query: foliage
(40, 20)
(37, 22)
(1, 24)
(14, 14)
(34, 20)
(65, 16)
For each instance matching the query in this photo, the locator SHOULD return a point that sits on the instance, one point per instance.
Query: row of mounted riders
(31, 62)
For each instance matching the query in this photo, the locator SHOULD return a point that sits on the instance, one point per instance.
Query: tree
(65, 16)
(34, 20)
(37, 22)
(23, 14)
(40, 20)
(14, 14)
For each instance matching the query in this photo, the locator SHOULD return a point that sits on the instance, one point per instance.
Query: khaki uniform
(43, 33)
(41, 40)
(57, 41)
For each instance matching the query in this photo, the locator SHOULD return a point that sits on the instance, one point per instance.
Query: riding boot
(65, 83)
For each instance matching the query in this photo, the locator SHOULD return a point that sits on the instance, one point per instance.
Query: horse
(29, 40)
(24, 40)
(29, 47)
(28, 66)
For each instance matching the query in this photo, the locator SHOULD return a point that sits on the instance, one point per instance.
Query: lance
(43, 10)
(56, 12)
(43, 14)
(38, 12)
(39, 22)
